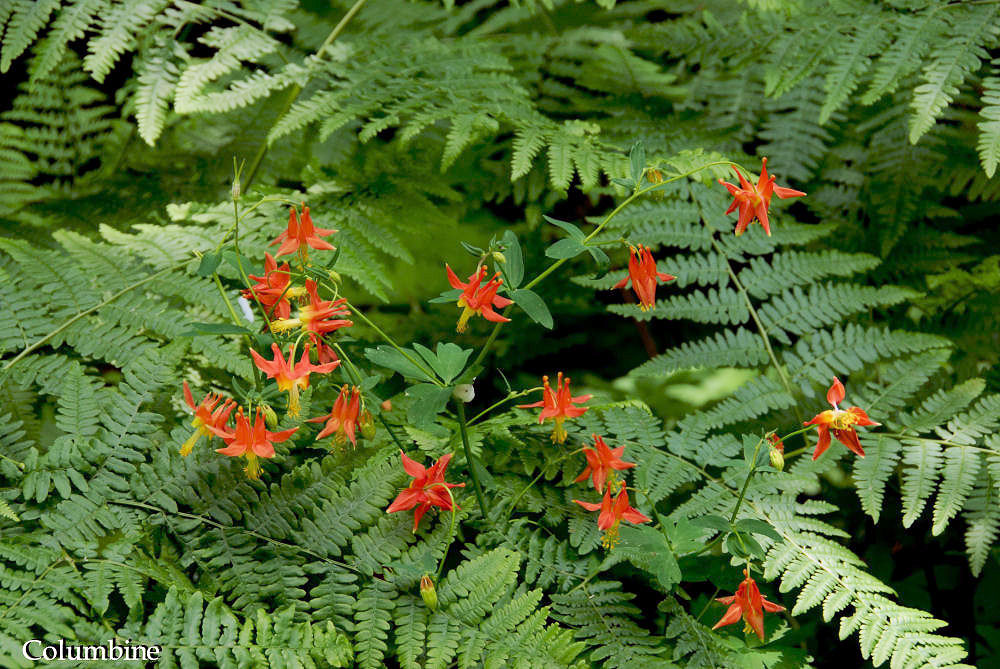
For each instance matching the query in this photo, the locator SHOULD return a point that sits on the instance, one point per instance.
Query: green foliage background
(411, 126)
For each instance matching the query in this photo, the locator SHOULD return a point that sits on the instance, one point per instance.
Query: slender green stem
(389, 340)
(460, 410)
(709, 603)
(607, 219)
(508, 398)
(296, 90)
(756, 319)
(746, 484)
(792, 434)
(517, 498)
(225, 298)
(451, 530)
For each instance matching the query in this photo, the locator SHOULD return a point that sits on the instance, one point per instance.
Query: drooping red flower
(839, 421)
(601, 460)
(207, 414)
(342, 421)
(291, 376)
(613, 512)
(557, 405)
(319, 316)
(477, 298)
(272, 289)
(748, 604)
(302, 235)
(754, 201)
(251, 442)
(643, 275)
(427, 488)
(324, 352)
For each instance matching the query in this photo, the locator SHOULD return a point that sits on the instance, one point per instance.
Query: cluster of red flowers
(602, 462)
(276, 292)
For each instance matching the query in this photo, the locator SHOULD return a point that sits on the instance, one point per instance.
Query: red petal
(732, 616)
(849, 438)
(824, 441)
(835, 395)
(588, 505)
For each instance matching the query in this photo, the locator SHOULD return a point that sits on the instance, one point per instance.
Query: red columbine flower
(477, 298)
(643, 275)
(754, 201)
(342, 420)
(251, 442)
(302, 235)
(840, 421)
(601, 460)
(427, 488)
(557, 405)
(290, 375)
(748, 604)
(613, 512)
(206, 416)
(272, 289)
(319, 316)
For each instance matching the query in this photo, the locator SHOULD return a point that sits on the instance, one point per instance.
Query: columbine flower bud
(464, 392)
(654, 175)
(387, 405)
(236, 188)
(367, 424)
(499, 257)
(428, 593)
(270, 417)
(334, 276)
(776, 451)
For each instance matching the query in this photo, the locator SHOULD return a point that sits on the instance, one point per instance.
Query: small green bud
(428, 593)
(270, 417)
(499, 257)
(367, 425)
(776, 451)
(334, 276)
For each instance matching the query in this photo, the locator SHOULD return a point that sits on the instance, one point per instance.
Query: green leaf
(428, 401)
(565, 249)
(390, 358)
(712, 522)
(637, 162)
(647, 548)
(448, 362)
(534, 306)
(602, 259)
(757, 527)
(514, 269)
(209, 263)
(574, 232)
